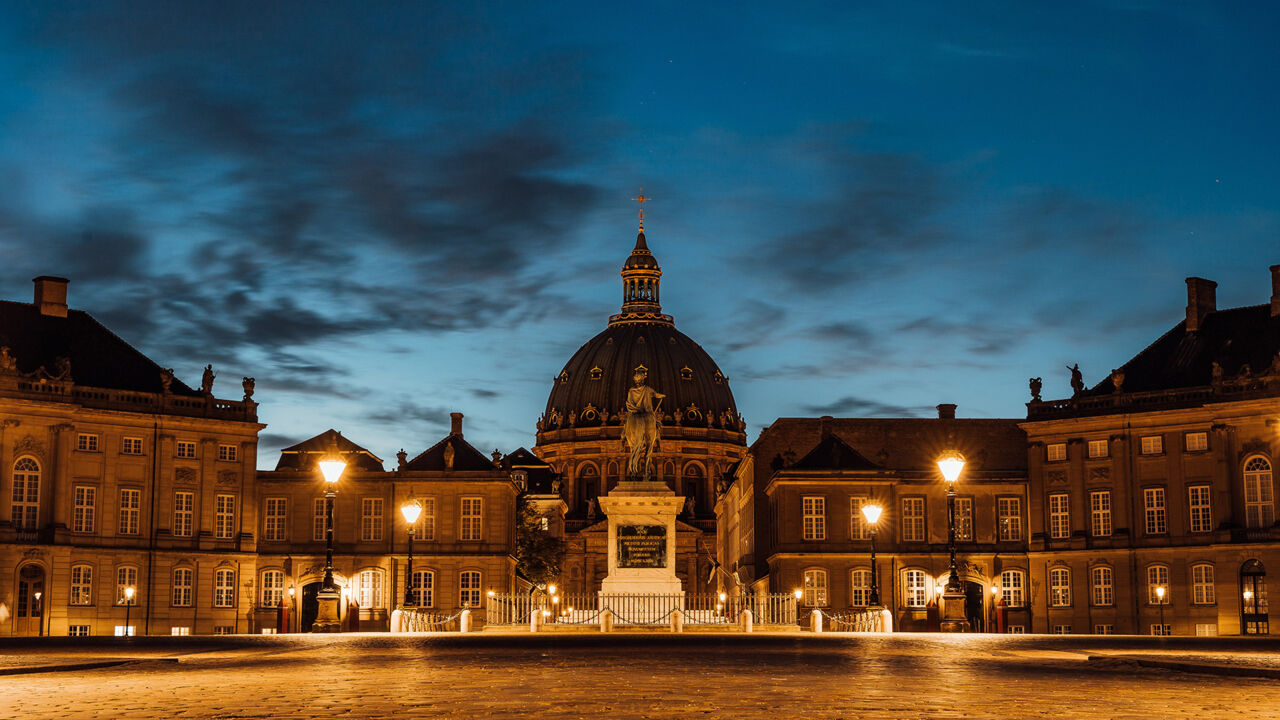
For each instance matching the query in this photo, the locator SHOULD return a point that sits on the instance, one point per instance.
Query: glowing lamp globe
(331, 469)
(950, 465)
(872, 513)
(411, 510)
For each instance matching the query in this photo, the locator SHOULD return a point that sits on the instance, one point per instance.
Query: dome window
(596, 373)
(686, 373)
(640, 339)
(693, 413)
(589, 412)
(719, 378)
(564, 376)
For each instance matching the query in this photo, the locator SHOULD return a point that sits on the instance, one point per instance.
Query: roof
(98, 357)
(832, 453)
(540, 476)
(307, 453)
(450, 454)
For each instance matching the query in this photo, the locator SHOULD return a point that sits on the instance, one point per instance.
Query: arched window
(1157, 577)
(182, 582)
(1259, 494)
(224, 588)
(81, 585)
(422, 592)
(1254, 608)
(815, 587)
(369, 588)
(26, 493)
(589, 482)
(1103, 588)
(1202, 587)
(272, 588)
(1012, 583)
(692, 485)
(860, 587)
(915, 588)
(469, 588)
(1060, 587)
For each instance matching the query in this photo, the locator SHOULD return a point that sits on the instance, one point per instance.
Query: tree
(538, 553)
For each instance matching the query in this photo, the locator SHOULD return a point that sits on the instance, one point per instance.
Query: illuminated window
(131, 446)
(130, 510)
(1060, 587)
(1153, 504)
(1202, 589)
(815, 517)
(87, 442)
(1158, 629)
(1100, 513)
(1012, 583)
(472, 519)
(82, 516)
(858, 529)
(1198, 505)
(183, 513)
(1152, 444)
(272, 588)
(275, 517)
(81, 585)
(224, 588)
(182, 587)
(423, 592)
(229, 453)
(1103, 590)
(1157, 577)
(1056, 452)
(78, 630)
(1010, 518)
(427, 520)
(1059, 516)
(26, 494)
(369, 589)
(1259, 498)
(964, 519)
(1061, 629)
(371, 519)
(913, 519)
(469, 588)
(915, 589)
(815, 588)
(1104, 629)
(860, 588)
(126, 577)
(1098, 449)
(1197, 441)
(180, 630)
(224, 516)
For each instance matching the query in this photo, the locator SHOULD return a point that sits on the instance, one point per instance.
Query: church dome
(592, 388)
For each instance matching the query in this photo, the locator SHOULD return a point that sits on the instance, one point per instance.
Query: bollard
(745, 621)
(606, 620)
(535, 620)
(397, 617)
(886, 620)
(464, 621)
(677, 621)
(815, 621)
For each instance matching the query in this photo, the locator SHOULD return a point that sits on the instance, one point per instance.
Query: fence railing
(640, 609)
(421, 620)
(857, 621)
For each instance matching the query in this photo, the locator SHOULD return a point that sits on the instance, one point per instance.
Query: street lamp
(293, 608)
(411, 510)
(40, 611)
(950, 465)
(871, 513)
(1160, 598)
(331, 467)
(128, 605)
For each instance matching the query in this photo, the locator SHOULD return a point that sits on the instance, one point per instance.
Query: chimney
(824, 425)
(1202, 299)
(1275, 291)
(51, 295)
(455, 420)
(947, 411)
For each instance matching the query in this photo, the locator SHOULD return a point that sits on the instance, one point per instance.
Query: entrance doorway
(29, 605)
(310, 606)
(1254, 611)
(974, 606)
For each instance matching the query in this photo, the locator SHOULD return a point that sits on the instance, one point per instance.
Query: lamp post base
(328, 601)
(953, 617)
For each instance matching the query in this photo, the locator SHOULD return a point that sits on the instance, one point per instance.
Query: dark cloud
(850, 406)
(484, 393)
(977, 337)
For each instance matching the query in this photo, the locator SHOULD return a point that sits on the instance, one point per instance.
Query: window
(1010, 511)
(964, 519)
(319, 519)
(469, 588)
(472, 519)
(860, 588)
(126, 577)
(223, 629)
(1103, 591)
(1061, 629)
(916, 591)
(815, 517)
(858, 529)
(274, 523)
(87, 442)
(427, 520)
(369, 589)
(1011, 585)
(1100, 513)
(82, 514)
(183, 513)
(1206, 629)
(1104, 629)
(1157, 578)
(224, 516)
(423, 590)
(1158, 629)
(815, 588)
(1060, 587)
(224, 588)
(78, 630)
(131, 446)
(126, 630)
(186, 449)
(1201, 512)
(1059, 516)
(1098, 449)
(1152, 444)
(229, 453)
(1153, 502)
(371, 519)
(26, 494)
(1197, 441)
(180, 630)
(181, 587)
(1055, 452)
(1259, 507)
(1202, 590)
(1017, 629)
(130, 510)
(81, 585)
(272, 588)
(913, 519)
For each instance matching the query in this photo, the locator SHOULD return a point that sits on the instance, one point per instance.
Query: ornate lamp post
(950, 465)
(1160, 599)
(871, 513)
(40, 611)
(331, 467)
(128, 605)
(411, 510)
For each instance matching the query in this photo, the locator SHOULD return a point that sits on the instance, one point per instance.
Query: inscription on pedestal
(642, 546)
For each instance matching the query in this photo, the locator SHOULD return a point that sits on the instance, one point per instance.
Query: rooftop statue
(641, 429)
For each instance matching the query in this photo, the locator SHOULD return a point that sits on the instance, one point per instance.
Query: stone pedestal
(953, 617)
(642, 539)
(328, 601)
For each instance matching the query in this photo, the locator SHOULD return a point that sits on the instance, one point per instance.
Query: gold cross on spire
(641, 199)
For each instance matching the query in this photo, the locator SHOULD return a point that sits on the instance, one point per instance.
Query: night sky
(389, 212)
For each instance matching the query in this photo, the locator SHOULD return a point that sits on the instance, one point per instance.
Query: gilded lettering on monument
(642, 546)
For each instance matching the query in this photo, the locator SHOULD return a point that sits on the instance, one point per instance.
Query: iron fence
(640, 609)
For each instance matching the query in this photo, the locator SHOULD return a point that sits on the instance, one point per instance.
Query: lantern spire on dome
(641, 278)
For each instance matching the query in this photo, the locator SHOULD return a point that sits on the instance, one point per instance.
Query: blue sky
(388, 212)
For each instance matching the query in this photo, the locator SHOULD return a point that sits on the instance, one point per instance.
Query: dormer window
(686, 373)
(719, 378)
(596, 373)
(564, 376)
